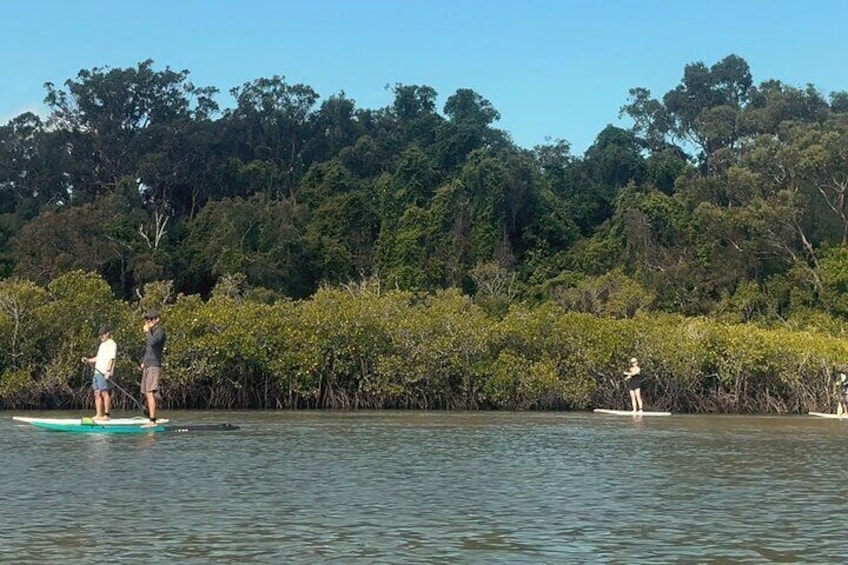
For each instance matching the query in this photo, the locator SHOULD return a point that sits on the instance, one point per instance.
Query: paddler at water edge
(843, 394)
(634, 384)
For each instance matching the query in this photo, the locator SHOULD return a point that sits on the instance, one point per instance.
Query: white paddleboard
(86, 421)
(628, 412)
(826, 415)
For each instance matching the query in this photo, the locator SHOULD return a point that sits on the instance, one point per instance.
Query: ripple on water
(429, 488)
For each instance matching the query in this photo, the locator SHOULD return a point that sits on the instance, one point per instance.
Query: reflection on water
(429, 488)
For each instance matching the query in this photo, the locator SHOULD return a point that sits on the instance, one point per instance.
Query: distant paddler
(633, 378)
(842, 409)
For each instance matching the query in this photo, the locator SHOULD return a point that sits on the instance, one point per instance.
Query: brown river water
(429, 487)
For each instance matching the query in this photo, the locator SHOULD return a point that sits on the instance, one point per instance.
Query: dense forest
(725, 202)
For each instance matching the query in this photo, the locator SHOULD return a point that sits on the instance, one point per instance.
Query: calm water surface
(387, 487)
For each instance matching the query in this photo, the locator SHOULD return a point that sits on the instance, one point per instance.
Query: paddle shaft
(137, 403)
(122, 389)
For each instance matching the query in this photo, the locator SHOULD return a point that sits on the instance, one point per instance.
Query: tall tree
(259, 237)
(470, 117)
(270, 123)
(102, 116)
(96, 237)
(615, 159)
(31, 168)
(773, 103)
(414, 114)
(334, 126)
(702, 110)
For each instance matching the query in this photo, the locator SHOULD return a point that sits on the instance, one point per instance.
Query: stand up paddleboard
(826, 415)
(628, 412)
(116, 425)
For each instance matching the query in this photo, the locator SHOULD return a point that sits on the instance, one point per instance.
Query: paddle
(119, 387)
(137, 403)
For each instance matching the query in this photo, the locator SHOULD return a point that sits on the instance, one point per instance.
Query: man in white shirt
(104, 366)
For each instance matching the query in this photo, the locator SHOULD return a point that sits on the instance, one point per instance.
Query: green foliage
(21, 325)
(833, 270)
(92, 237)
(615, 160)
(664, 168)
(496, 287)
(359, 346)
(225, 340)
(611, 295)
(136, 193)
(259, 237)
(438, 346)
(156, 294)
(15, 385)
(341, 235)
(79, 304)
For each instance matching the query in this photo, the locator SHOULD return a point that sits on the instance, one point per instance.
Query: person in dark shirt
(633, 377)
(843, 395)
(151, 363)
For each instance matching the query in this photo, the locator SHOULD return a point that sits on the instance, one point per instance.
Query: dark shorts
(99, 382)
(150, 379)
(635, 383)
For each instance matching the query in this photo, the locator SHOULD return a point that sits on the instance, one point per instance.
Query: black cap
(151, 315)
(105, 329)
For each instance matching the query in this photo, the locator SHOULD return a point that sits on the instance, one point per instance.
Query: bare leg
(633, 399)
(98, 404)
(107, 402)
(638, 395)
(151, 405)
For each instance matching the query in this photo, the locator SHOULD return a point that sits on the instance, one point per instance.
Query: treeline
(367, 347)
(725, 203)
(726, 198)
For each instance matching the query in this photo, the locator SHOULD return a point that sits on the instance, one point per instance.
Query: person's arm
(140, 357)
(155, 336)
(146, 331)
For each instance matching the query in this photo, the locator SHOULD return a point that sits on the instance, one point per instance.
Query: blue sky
(553, 69)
